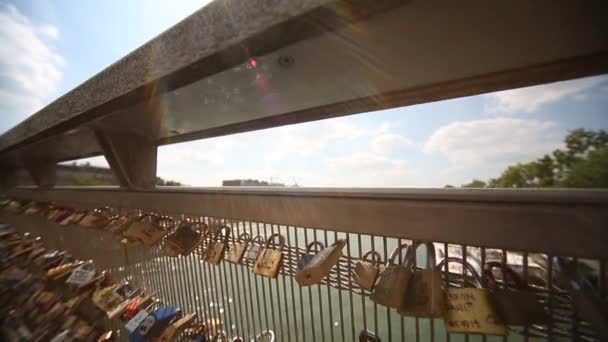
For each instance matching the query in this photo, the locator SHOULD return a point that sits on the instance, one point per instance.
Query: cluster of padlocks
(491, 303)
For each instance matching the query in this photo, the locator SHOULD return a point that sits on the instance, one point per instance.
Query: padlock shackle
(220, 335)
(259, 240)
(310, 246)
(271, 240)
(105, 211)
(376, 257)
(407, 261)
(466, 265)
(366, 335)
(576, 280)
(431, 260)
(244, 237)
(171, 220)
(223, 231)
(506, 271)
(265, 333)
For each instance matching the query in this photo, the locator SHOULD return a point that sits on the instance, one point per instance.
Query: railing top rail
(556, 222)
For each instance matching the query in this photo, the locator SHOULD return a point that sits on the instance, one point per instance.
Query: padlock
(468, 310)
(108, 299)
(314, 270)
(184, 239)
(61, 270)
(518, 306)
(236, 251)
(253, 250)
(217, 246)
(63, 215)
(368, 336)
(175, 328)
(82, 274)
(135, 305)
(35, 208)
(586, 300)
(198, 333)
(269, 261)
(424, 296)
(366, 271)
(149, 229)
(391, 285)
(306, 257)
(269, 334)
(96, 218)
(220, 337)
(153, 324)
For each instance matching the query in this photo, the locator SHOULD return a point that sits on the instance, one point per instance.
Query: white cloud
(211, 151)
(365, 169)
(494, 143)
(30, 69)
(307, 139)
(99, 161)
(531, 99)
(390, 143)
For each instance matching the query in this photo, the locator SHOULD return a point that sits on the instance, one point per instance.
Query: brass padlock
(120, 223)
(424, 296)
(586, 300)
(149, 229)
(96, 218)
(392, 283)
(468, 310)
(269, 261)
(253, 250)
(175, 328)
(184, 239)
(516, 306)
(315, 269)
(236, 251)
(217, 246)
(366, 270)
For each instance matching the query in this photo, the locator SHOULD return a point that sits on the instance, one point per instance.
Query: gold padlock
(184, 239)
(217, 246)
(367, 270)
(97, 218)
(237, 250)
(175, 328)
(320, 264)
(424, 297)
(392, 283)
(149, 229)
(269, 261)
(468, 310)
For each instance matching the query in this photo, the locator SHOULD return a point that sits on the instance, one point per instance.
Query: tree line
(582, 164)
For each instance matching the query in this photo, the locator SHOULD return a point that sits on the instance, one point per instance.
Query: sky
(48, 48)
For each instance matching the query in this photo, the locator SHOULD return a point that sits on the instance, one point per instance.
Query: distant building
(248, 182)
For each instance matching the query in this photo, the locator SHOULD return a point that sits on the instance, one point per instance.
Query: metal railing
(337, 309)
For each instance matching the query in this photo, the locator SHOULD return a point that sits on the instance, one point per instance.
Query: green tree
(583, 163)
(475, 183)
(591, 172)
(162, 182)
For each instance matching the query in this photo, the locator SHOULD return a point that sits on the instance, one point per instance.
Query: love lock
(269, 334)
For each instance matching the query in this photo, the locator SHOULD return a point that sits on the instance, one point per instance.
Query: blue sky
(50, 47)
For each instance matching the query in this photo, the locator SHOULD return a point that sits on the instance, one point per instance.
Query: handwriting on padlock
(468, 310)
